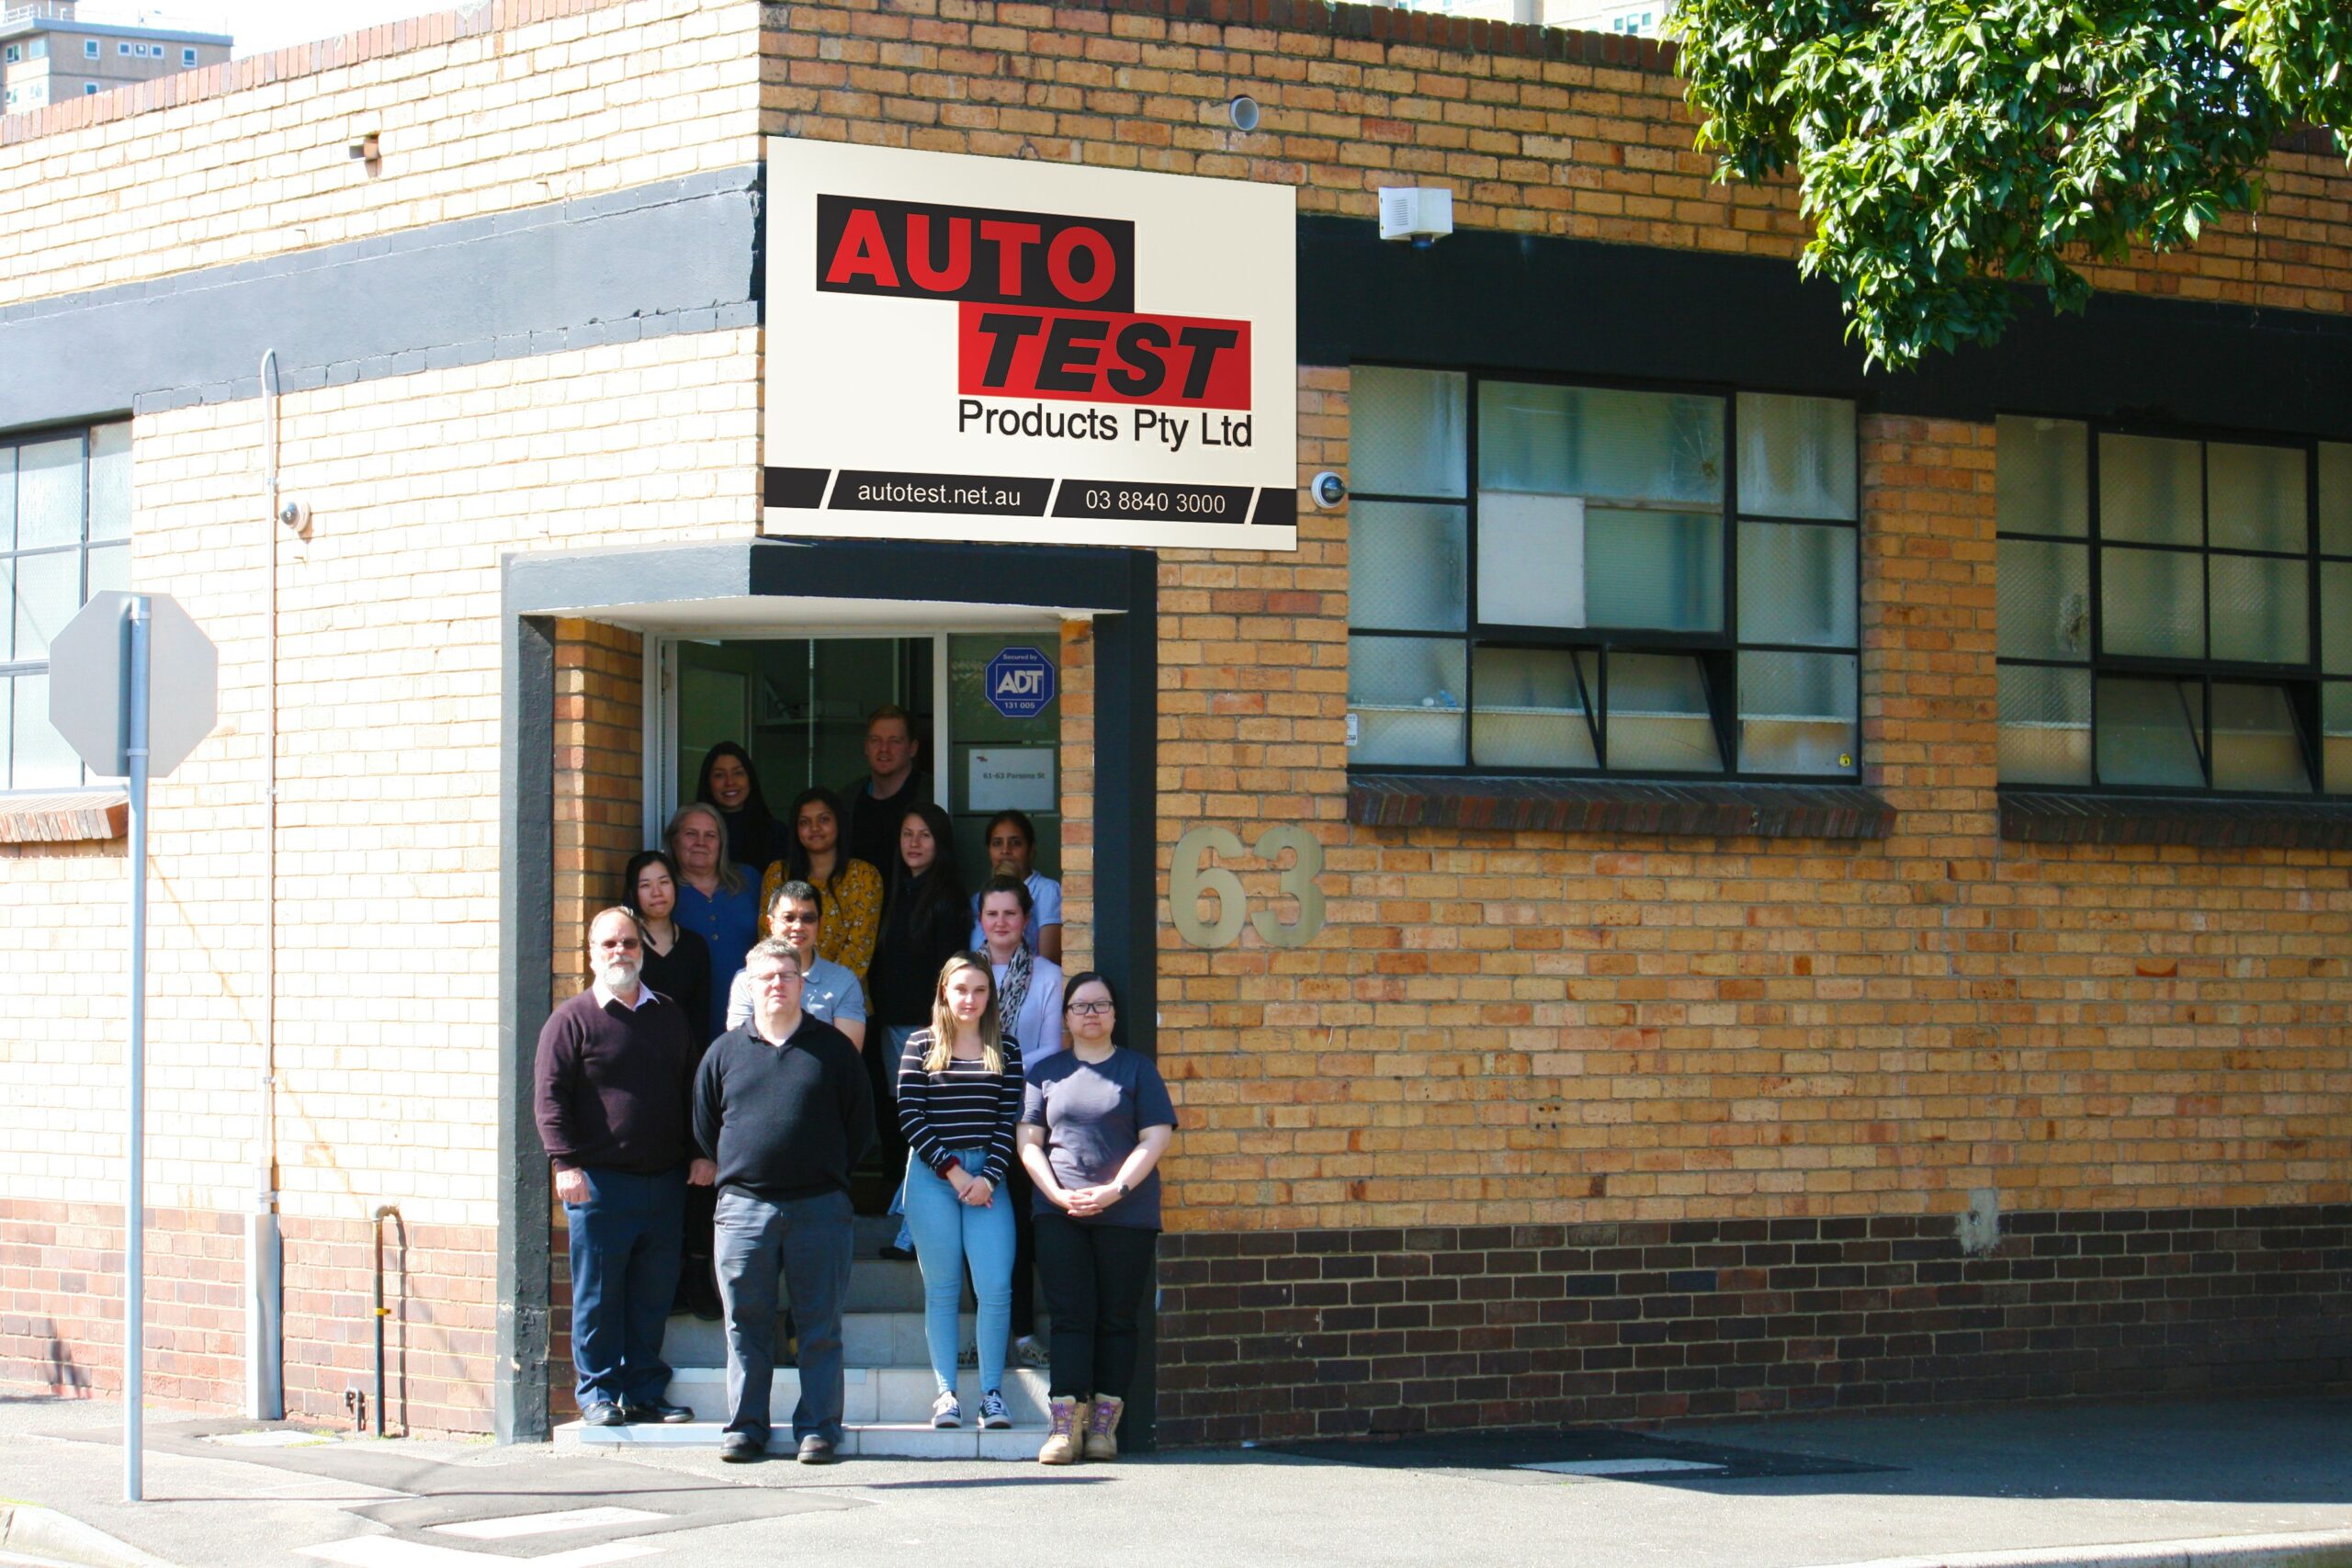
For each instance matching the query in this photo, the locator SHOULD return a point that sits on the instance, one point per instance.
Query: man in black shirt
(879, 802)
(614, 1066)
(782, 1104)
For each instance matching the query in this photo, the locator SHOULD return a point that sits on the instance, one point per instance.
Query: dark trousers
(1019, 1189)
(1095, 1277)
(811, 1240)
(624, 1273)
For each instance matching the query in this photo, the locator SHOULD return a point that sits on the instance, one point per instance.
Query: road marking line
(391, 1551)
(546, 1524)
(1624, 1467)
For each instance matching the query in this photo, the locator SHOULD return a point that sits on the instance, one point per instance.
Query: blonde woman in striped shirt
(959, 1097)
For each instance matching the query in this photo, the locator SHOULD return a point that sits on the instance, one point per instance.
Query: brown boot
(1070, 1431)
(1103, 1427)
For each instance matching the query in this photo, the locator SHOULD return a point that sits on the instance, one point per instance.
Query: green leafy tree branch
(1944, 150)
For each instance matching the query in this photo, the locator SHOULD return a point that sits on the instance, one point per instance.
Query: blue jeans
(811, 1240)
(625, 1242)
(948, 1231)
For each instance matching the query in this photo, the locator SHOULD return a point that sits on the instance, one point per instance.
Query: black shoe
(897, 1254)
(701, 1298)
(742, 1447)
(815, 1450)
(599, 1413)
(666, 1415)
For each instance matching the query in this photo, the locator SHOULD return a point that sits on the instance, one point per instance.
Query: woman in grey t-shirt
(1095, 1120)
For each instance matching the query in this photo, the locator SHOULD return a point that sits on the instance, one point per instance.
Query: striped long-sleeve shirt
(963, 1108)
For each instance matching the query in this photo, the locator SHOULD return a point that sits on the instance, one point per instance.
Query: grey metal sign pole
(104, 666)
(134, 1253)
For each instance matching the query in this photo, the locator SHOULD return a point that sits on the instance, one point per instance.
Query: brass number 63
(1191, 875)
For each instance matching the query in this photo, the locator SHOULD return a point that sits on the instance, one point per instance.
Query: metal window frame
(12, 668)
(2305, 682)
(1718, 652)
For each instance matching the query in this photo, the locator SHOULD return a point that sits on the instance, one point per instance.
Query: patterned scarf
(1016, 988)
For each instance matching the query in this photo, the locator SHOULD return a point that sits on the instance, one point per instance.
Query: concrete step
(867, 1440)
(868, 1393)
(868, 1339)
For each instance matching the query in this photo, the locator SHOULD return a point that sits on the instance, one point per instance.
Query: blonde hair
(943, 1022)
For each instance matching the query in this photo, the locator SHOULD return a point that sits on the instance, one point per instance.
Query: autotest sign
(1001, 349)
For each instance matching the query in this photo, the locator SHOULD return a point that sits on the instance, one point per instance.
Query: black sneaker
(599, 1413)
(742, 1447)
(665, 1415)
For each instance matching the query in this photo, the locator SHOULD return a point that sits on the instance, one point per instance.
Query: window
(15, 52)
(187, 57)
(2175, 614)
(1620, 580)
(122, 49)
(65, 534)
(88, 87)
(89, 49)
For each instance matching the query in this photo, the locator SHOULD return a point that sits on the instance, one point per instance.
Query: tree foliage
(1944, 150)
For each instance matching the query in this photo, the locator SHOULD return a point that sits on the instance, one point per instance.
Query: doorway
(799, 705)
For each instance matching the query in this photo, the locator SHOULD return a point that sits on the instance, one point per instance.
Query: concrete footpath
(2239, 1482)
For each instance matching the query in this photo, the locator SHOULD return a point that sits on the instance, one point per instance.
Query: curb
(33, 1531)
(2315, 1548)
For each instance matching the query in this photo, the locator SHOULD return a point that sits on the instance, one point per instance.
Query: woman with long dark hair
(729, 781)
(925, 918)
(1095, 1120)
(677, 962)
(816, 854)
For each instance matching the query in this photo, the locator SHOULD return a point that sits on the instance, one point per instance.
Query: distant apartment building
(48, 54)
(1643, 18)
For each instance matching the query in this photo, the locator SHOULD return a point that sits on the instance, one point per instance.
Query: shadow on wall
(64, 1377)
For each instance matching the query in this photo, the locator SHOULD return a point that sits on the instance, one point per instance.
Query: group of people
(738, 1054)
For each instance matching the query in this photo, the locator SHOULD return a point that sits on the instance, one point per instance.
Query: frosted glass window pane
(1658, 716)
(110, 568)
(1530, 713)
(2151, 491)
(2255, 746)
(2335, 618)
(1796, 583)
(2154, 602)
(2150, 733)
(2262, 610)
(1796, 713)
(1602, 445)
(2045, 600)
(1406, 695)
(2335, 497)
(2254, 498)
(1654, 569)
(2335, 729)
(48, 493)
(1796, 455)
(2042, 479)
(41, 758)
(1531, 559)
(110, 481)
(47, 590)
(2045, 725)
(1407, 431)
(7, 501)
(1408, 566)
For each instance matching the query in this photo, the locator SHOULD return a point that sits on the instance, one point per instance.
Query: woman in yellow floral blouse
(853, 890)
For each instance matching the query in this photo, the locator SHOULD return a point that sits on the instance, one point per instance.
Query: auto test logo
(1045, 311)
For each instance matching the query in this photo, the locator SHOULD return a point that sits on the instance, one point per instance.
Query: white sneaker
(994, 1416)
(947, 1412)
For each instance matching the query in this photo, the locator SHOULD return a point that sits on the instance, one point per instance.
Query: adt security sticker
(1020, 682)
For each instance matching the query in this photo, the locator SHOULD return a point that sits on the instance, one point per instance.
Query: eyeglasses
(1090, 1010)
(624, 944)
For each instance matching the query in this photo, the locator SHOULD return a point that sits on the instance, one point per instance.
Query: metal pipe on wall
(265, 1243)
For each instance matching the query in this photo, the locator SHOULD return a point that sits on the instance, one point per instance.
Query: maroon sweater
(614, 1086)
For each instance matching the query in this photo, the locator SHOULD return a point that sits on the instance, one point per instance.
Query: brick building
(1816, 888)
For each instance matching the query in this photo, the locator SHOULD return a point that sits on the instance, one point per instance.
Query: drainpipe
(265, 1245)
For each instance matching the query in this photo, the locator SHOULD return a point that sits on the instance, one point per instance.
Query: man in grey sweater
(783, 1105)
